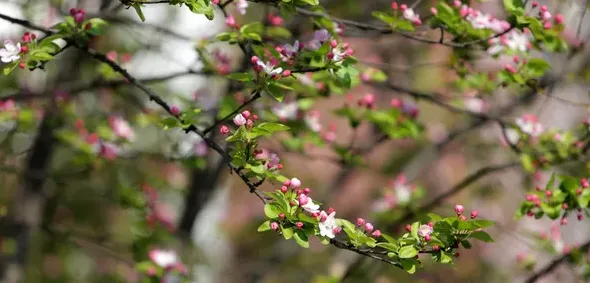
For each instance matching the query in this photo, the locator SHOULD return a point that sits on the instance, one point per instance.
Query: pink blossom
(425, 230)
(529, 125)
(239, 120)
(121, 128)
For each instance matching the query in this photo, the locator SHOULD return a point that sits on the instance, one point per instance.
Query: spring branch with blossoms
(323, 65)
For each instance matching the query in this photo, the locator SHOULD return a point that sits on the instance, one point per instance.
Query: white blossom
(10, 52)
(311, 207)
(163, 258)
(328, 226)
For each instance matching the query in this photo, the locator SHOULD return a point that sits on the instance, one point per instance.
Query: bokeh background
(87, 226)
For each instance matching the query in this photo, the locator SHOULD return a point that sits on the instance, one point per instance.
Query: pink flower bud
(254, 60)
(376, 234)
(547, 25)
(544, 8)
(394, 6)
(246, 114)
(174, 110)
(427, 238)
(287, 183)
(303, 199)
(584, 182)
(298, 192)
(299, 225)
(334, 43)
(535, 4)
(368, 227)
(230, 21)
(564, 206)
(462, 217)
(408, 228)
(295, 183)
(307, 191)
(403, 7)
(274, 226)
(457, 3)
(281, 215)
(360, 221)
(330, 210)
(459, 209)
(563, 221)
(433, 11)
(287, 73)
(510, 69)
(580, 217)
(435, 248)
(224, 130)
(579, 191)
(474, 214)
(337, 230)
(284, 189)
(548, 193)
(559, 19)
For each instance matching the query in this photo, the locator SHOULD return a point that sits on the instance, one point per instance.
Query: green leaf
(514, 7)
(242, 77)
(407, 252)
(414, 231)
(434, 217)
(273, 127)
(97, 26)
(311, 2)
(466, 244)
(264, 226)
(139, 12)
(200, 7)
(537, 67)
(287, 233)
(271, 210)
(255, 27)
(527, 163)
(409, 265)
(482, 236)
(40, 55)
(388, 246)
(275, 91)
(301, 238)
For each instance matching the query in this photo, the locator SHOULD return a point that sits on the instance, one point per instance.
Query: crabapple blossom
(529, 125)
(242, 5)
(230, 21)
(274, 226)
(425, 230)
(310, 206)
(286, 110)
(376, 234)
(328, 226)
(319, 37)
(312, 120)
(10, 52)
(295, 183)
(411, 16)
(121, 128)
(239, 120)
(164, 258)
(268, 68)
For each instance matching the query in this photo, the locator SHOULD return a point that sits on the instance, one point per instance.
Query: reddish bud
(433, 11)
(254, 117)
(360, 221)
(547, 25)
(24, 49)
(287, 73)
(224, 130)
(563, 221)
(559, 19)
(284, 189)
(299, 225)
(22, 65)
(580, 217)
(330, 210)
(376, 234)
(73, 11)
(307, 191)
(287, 183)
(457, 254)
(430, 224)
(281, 215)
(427, 238)
(564, 206)
(254, 60)
(274, 226)
(579, 191)
(408, 227)
(435, 248)
(535, 4)
(174, 110)
(474, 214)
(462, 217)
(394, 6)
(548, 193)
